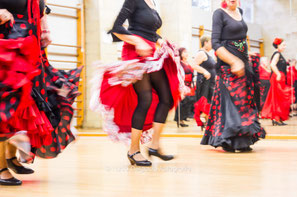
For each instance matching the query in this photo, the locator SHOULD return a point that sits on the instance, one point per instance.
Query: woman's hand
(278, 77)
(45, 33)
(45, 38)
(143, 49)
(5, 16)
(237, 68)
(207, 75)
(160, 42)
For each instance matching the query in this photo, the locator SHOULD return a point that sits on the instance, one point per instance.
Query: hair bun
(277, 41)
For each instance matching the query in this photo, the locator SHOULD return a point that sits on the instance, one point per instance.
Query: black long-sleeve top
(19, 6)
(143, 21)
(224, 27)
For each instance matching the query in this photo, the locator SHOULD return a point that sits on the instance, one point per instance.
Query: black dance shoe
(138, 163)
(245, 150)
(155, 152)
(18, 169)
(9, 182)
(228, 149)
(275, 123)
(183, 125)
(283, 124)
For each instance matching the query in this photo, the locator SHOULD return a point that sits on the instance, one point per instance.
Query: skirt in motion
(114, 95)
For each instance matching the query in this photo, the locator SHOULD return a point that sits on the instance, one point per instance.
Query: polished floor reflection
(94, 166)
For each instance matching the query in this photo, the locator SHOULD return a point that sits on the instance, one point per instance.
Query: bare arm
(237, 65)
(199, 59)
(273, 66)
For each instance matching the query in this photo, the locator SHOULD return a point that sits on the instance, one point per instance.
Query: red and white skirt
(114, 95)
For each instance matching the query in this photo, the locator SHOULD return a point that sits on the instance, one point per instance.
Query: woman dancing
(233, 122)
(205, 86)
(279, 98)
(134, 94)
(27, 120)
(185, 108)
(265, 74)
(292, 80)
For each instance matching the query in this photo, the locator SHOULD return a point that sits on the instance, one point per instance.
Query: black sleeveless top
(282, 63)
(143, 21)
(210, 66)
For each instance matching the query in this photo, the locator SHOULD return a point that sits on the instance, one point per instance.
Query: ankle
(132, 151)
(154, 145)
(6, 175)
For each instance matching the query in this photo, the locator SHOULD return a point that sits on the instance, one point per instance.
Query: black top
(224, 27)
(210, 66)
(143, 20)
(18, 6)
(282, 63)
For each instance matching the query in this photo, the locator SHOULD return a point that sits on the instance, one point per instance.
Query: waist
(129, 50)
(239, 45)
(144, 33)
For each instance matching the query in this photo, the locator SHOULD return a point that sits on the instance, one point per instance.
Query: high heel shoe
(155, 152)
(283, 124)
(18, 169)
(275, 123)
(228, 149)
(245, 150)
(138, 163)
(9, 182)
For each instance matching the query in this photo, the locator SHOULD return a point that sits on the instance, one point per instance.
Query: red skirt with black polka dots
(18, 111)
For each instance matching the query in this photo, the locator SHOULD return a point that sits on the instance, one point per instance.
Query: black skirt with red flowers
(233, 120)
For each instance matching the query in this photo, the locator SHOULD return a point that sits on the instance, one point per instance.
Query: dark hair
(181, 50)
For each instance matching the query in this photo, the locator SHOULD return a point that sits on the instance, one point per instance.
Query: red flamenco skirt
(279, 99)
(18, 111)
(115, 97)
(201, 106)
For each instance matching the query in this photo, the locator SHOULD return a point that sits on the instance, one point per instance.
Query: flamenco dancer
(185, 108)
(205, 86)
(279, 98)
(265, 74)
(233, 122)
(27, 120)
(292, 80)
(143, 87)
(255, 64)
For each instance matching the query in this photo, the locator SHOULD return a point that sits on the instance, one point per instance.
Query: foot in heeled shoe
(275, 123)
(183, 125)
(228, 149)
(244, 150)
(15, 166)
(133, 161)
(156, 153)
(10, 181)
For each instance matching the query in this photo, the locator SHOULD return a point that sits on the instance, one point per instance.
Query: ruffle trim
(125, 73)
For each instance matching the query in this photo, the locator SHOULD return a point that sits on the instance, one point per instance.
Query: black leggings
(143, 88)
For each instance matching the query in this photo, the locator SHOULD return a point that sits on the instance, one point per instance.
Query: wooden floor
(96, 167)
(274, 132)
